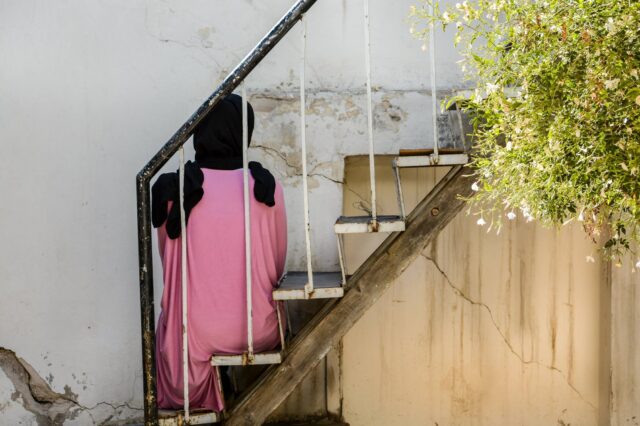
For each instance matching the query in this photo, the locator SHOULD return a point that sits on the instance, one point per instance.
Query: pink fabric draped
(217, 312)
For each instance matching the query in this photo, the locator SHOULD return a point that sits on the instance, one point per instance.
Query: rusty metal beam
(364, 288)
(143, 180)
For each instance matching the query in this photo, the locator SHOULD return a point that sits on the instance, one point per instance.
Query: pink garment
(217, 313)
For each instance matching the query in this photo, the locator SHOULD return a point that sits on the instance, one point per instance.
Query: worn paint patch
(387, 115)
(52, 408)
(35, 394)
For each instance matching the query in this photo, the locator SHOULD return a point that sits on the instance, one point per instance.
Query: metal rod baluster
(462, 135)
(247, 220)
(183, 267)
(308, 288)
(434, 90)
(372, 167)
(283, 343)
(341, 258)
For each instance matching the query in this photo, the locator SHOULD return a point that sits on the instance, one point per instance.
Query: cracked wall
(89, 91)
(44, 406)
(482, 329)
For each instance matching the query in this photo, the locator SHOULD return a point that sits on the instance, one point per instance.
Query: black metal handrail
(143, 180)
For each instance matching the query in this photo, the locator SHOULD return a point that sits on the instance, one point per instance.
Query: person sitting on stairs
(214, 209)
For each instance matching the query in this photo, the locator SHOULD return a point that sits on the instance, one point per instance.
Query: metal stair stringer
(364, 288)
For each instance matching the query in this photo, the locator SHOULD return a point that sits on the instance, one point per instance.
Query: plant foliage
(556, 106)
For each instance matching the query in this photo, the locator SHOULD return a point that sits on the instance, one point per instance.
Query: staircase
(349, 296)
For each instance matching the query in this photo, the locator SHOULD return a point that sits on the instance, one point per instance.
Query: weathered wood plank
(365, 287)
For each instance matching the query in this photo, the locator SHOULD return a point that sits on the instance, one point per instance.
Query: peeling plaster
(48, 406)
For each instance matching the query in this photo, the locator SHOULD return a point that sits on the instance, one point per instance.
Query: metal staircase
(349, 296)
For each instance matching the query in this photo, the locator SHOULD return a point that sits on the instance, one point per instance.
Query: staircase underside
(364, 288)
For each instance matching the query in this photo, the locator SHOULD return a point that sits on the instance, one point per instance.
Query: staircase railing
(143, 180)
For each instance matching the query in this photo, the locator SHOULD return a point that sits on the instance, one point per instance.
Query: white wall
(89, 90)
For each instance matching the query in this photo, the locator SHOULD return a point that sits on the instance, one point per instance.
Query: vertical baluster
(247, 220)
(372, 167)
(183, 264)
(308, 289)
(434, 91)
(283, 343)
(341, 258)
(462, 135)
(396, 175)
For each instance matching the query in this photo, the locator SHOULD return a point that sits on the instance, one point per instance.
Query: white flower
(475, 187)
(424, 47)
(491, 88)
(458, 6)
(610, 25)
(412, 30)
(590, 259)
(611, 84)
(509, 146)
(481, 221)
(511, 215)
(446, 18)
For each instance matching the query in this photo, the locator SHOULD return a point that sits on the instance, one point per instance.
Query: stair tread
(429, 151)
(364, 224)
(262, 358)
(326, 285)
(196, 417)
(367, 219)
(298, 279)
(444, 159)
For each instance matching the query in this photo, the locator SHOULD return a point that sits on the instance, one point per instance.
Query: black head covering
(218, 144)
(218, 138)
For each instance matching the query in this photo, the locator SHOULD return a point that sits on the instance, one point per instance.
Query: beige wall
(625, 354)
(482, 329)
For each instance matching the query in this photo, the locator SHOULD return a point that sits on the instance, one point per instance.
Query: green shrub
(557, 109)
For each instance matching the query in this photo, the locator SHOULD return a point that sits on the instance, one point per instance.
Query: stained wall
(484, 328)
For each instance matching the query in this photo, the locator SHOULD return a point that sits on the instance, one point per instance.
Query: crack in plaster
(520, 357)
(362, 205)
(48, 406)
